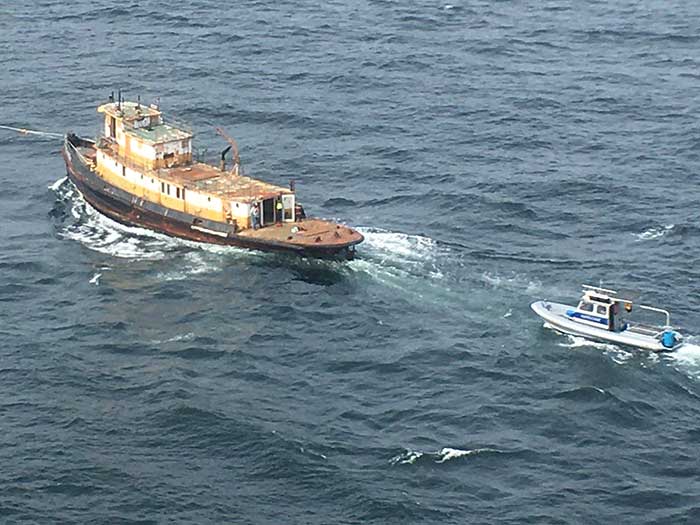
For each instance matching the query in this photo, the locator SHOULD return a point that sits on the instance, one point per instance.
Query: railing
(598, 289)
(177, 123)
(659, 310)
(168, 121)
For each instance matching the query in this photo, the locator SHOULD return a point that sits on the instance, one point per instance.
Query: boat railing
(598, 289)
(74, 150)
(658, 310)
(173, 122)
(178, 123)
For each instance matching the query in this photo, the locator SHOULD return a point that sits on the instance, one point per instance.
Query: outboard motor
(668, 339)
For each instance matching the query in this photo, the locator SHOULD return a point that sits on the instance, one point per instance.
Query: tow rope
(25, 131)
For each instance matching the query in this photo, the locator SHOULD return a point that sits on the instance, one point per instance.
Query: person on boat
(255, 216)
(612, 317)
(280, 210)
(299, 212)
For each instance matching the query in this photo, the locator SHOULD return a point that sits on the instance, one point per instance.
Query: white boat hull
(555, 315)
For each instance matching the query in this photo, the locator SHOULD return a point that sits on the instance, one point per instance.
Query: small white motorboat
(599, 316)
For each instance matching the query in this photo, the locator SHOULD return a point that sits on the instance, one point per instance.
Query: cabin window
(209, 199)
(177, 192)
(183, 194)
(168, 186)
(586, 307)
(601, 309)
(162, 187)
(124, 171)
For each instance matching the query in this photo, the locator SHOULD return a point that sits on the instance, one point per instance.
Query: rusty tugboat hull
(129, 204)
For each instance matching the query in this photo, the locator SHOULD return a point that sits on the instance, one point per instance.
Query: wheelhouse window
(602, 310)
(586, 307)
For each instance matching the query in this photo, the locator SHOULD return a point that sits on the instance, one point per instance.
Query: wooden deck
(223, 184)
(308, 232)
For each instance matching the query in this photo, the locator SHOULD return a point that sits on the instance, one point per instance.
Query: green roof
(159, 133)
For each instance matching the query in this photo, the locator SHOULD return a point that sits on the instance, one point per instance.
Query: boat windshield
(583, 305)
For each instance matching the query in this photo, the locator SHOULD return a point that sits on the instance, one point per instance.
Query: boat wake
(618, 354)
(687, 359)
(101, 234)
(409, 254)
(388, 257)
(415, 265)
(515, 281)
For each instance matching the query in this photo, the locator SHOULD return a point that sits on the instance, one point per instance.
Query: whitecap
(654, 232)
(407, 458)
(448, 453)
(180, 337)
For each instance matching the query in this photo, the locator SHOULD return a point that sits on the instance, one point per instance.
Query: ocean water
(493, 153)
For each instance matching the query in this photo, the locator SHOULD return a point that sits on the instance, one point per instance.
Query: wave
(655, 232)
(410, 457)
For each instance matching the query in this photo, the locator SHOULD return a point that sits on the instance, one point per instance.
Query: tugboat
(599, 316)
(140, 171)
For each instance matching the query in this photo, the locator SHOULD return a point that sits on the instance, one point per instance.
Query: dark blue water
(493, 153)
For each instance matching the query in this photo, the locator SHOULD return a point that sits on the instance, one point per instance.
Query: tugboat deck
(308, 232)
(223, 184)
